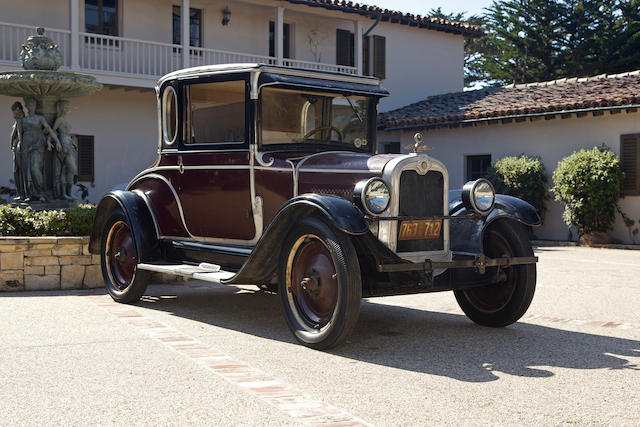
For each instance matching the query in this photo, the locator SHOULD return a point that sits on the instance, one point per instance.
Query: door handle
(180, 165)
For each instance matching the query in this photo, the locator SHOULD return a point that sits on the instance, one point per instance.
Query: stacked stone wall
(48, 263)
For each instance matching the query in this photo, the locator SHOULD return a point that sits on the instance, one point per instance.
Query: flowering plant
(16, 221)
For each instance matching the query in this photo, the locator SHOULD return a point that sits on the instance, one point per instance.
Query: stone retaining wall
(50, 263)
(46, 263)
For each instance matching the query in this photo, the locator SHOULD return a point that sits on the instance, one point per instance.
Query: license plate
(426, 229)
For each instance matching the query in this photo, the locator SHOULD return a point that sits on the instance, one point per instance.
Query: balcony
(131, 62)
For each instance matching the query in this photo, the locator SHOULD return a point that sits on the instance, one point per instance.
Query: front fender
(263, 261)
(466, 235)
(138, 217)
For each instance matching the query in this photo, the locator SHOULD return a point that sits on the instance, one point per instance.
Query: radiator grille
(421, 196)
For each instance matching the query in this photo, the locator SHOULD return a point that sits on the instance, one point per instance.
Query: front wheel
(319, 284)
(503, 303)
(119, 259)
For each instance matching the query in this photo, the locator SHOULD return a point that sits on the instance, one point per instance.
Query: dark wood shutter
(86, 170)
(630, 162)
(366, 55)
(344, 48)
(380, 57)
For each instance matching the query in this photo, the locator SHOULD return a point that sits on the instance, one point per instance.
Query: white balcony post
(358, 46)
(74, 23)
(184, 36)
(279, 35)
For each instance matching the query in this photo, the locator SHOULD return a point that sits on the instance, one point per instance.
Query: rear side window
(170, 115)
(217, 112)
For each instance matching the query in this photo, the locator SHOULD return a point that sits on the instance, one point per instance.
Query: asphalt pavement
(193, 353)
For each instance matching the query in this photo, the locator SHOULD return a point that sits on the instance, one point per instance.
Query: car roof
(272, 69)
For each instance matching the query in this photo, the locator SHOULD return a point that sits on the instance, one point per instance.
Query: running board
(204, 271)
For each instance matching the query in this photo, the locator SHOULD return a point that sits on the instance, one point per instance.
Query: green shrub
(523, 177)
(64, 222)
(588, 183)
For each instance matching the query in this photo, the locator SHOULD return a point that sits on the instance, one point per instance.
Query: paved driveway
(197, 354)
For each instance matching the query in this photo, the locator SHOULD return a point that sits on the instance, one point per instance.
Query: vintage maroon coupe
(269, 176)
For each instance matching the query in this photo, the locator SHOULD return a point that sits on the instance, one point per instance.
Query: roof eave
(435, 125)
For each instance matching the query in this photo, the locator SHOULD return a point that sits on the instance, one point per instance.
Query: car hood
(332, 172)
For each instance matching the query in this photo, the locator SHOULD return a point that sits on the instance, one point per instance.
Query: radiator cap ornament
(419, 146)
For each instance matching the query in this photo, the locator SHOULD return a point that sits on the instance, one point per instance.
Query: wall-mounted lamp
(226, 16)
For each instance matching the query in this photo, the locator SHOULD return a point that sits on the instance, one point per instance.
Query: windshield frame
(372, 103)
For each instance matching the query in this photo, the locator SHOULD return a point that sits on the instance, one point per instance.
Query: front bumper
(479, 263)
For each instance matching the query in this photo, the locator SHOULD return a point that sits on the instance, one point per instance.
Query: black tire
(502, 304)
(319, 284)
(119, 259)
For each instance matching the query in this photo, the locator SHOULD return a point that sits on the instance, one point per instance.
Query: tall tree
(537, 40)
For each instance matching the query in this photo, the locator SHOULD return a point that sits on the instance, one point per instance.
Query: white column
(74, 24)
(184, 36)
(358, 46)
(279, 35)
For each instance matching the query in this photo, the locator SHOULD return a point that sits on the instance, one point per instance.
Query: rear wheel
(503, 303)
(119, 259)
(319, 284)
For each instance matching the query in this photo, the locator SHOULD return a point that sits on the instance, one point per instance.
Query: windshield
(314, 118)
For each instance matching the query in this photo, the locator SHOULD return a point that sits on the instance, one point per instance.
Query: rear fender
(262, 264)
(467, 235)
(139, 219)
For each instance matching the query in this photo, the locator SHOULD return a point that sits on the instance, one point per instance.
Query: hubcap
(120, 255)
(493, 298)
(312, 281)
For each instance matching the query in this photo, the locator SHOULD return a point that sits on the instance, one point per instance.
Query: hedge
(523, 177)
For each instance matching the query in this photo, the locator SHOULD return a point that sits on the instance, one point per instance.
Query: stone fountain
(44, 151)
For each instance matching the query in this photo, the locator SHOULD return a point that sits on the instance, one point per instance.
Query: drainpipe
(375, 24)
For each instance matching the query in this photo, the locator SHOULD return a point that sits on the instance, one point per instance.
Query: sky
(421, 7)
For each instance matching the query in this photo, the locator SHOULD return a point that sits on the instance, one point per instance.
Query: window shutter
(380, 57)
(630, 162)
(344, 48)
(85, 158)
(366, 55)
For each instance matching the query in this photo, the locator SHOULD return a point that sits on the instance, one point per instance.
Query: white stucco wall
(124, 127)
(552, 140)
(420, 62)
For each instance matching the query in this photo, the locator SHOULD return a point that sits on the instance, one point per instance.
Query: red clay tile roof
(557, 96)
(412, 20)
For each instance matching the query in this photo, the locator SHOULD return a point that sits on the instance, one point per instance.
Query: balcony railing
(122, 56)
(319, 66)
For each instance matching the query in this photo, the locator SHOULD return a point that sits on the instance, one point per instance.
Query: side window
(169, 116)
(477, 166)
(217, 112)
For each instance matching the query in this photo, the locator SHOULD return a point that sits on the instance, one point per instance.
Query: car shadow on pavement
(424, 341)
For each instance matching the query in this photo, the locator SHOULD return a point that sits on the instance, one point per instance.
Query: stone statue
(34, 141)
(17, 149)
(66, 168)
(43, 179)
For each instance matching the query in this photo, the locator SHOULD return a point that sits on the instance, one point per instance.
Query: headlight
(479, 196)
(373, 195)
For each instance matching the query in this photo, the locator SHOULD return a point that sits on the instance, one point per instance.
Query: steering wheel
(316, 130)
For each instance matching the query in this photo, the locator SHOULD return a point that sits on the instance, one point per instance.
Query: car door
(214, 173)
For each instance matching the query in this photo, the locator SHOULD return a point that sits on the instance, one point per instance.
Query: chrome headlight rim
(360, 195)
(469, 198)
